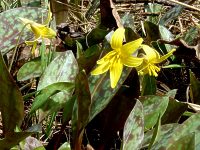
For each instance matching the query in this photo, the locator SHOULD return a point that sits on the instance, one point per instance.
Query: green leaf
(12, 139)
(11, 26)
(190, 126)
(31, 69)
(148, 85)
(194, 88)
(165, 130)
(153, 107)
(185, 143)
(65, 146)
(11, 103)
(48, 91)
(63, 68)
(134, 128)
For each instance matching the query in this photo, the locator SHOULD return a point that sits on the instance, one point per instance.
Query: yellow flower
(119, 56)
(152, 58)
(39, 30)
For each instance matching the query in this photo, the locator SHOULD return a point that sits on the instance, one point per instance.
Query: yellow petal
(117, 38)
(43, 31)
(165, 56)
(131, 47)
(107, 57)
(131, 61)
(101, 68)
(115, 72)
(151, 54)
(26, 21)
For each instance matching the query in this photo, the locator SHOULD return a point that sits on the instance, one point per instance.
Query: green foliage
(146, 113)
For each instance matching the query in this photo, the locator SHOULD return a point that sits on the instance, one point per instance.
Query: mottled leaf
(185, 143)
(11, 103)
(153, 107)
(171, 14)
(134, 128)
(190, 126)
(191, 35)
(11, 26)
(81, 112)
(63, 68)
(31, 69)
(164, 130)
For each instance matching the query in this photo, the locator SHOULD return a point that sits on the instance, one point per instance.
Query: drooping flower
(119, 56)
(40, 30)
(151, 59)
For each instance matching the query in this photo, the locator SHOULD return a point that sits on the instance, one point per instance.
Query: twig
(185, 5)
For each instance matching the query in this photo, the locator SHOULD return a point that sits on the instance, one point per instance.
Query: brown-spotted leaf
(11, 103)
(63, 68)
(185, 143)
(81, 112)
(134, 128)
(153, 107)
(164, 131)
(190, 126)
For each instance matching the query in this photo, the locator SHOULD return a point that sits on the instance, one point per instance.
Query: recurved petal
(107, 57)
(117, 38)
(151, 54)
(130, 47)
(131, 61)
(115, 72)
(43, 31)
(165, 56)
(100, 69)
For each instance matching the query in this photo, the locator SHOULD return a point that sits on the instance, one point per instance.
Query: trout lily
(119, 56)
(40, 30)
(151, 59)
